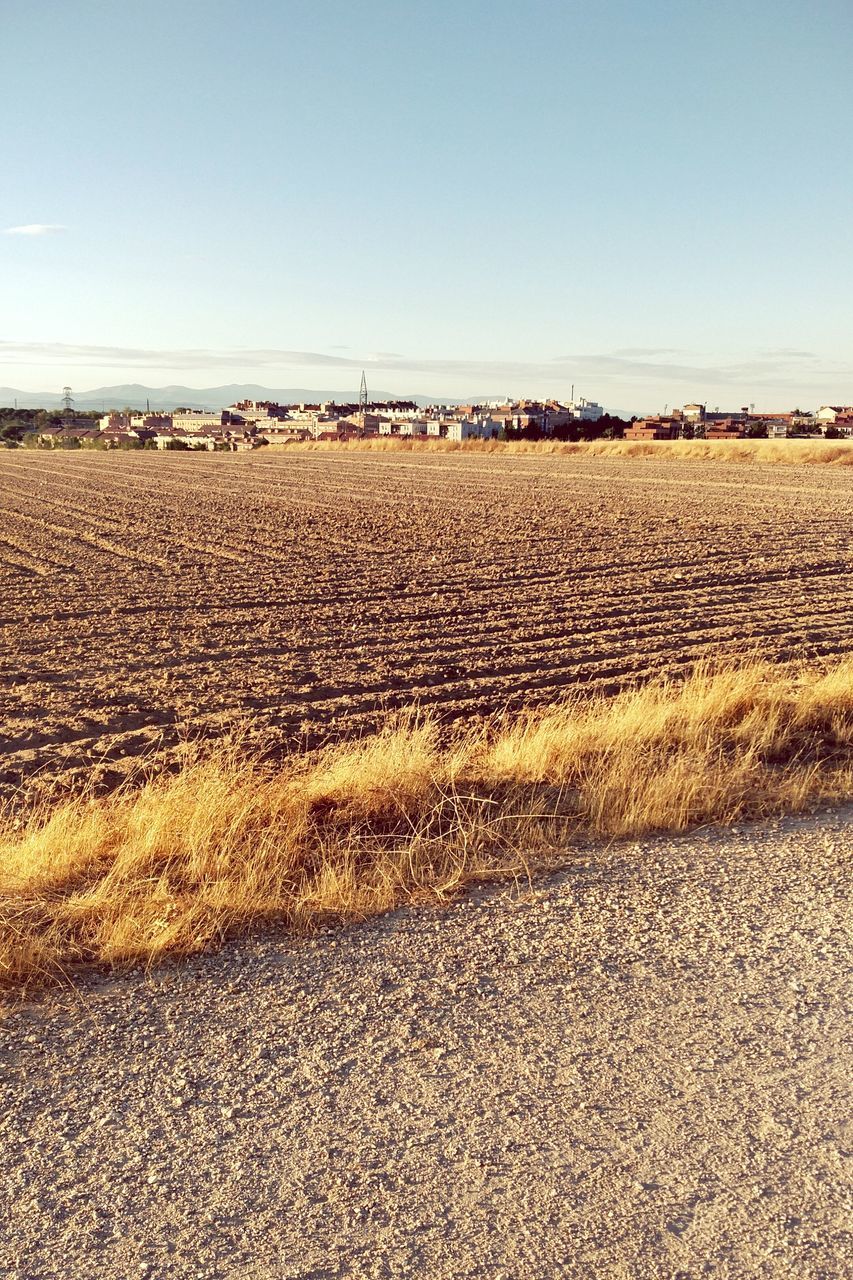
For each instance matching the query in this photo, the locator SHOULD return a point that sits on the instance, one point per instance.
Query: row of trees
(31, 441)
(608, 427)
(15, 424)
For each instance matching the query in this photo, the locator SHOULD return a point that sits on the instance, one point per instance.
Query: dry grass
(838, 453)
(184, 861)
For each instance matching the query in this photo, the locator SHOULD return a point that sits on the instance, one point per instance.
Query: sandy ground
(145, 596)
(638, 1067)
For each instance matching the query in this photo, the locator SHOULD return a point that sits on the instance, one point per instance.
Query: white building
(165, 439)
(777, 428)
(192, 420)
(585, 410)
(474, 429)
(830, 413)
(463, 428)
(395, 413)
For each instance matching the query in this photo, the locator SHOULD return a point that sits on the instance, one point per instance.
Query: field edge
(406, 815)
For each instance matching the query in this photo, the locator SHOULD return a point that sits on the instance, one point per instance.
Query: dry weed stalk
(190, 858)
(838, 453)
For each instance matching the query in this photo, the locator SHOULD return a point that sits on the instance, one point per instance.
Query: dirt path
(638, 1068)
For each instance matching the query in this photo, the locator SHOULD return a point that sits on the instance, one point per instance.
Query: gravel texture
(635, 1068)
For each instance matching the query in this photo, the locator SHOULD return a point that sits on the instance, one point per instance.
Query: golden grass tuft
(837, 453)
(188, 859)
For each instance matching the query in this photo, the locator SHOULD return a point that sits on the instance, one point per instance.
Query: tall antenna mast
(362, 394)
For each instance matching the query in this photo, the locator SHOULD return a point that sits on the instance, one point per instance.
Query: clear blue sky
(651, 199)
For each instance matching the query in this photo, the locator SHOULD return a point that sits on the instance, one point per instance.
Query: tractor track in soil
(144, 597)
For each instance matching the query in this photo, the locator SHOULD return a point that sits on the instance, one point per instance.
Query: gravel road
(636, 1068)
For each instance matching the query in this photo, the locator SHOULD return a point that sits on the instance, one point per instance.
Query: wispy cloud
(57, 353)
(608, 372)
(35, 229)
(789, 353)
(641, 352)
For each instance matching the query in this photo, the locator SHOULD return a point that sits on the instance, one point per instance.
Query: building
(257, 411)
(69, 435)
(771, 416)
(125, 439)
(171, 437)
(127, 421)
(585, 410)
(114, 422)
(829, 414)
(150, 421)
(404, 427)
(459, 429)
(730, 428)
(396, 412)
(414, 427)
(275, 431)
(225, 440)
(472, 429)
(339, 437)
(367, 423)
(777, 428)
(197, 420)
(656, 428)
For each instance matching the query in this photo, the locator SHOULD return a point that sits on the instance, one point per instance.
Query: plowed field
(143, 597)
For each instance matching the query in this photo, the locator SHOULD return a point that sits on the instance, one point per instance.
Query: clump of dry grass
(188, 859)
(793, 452)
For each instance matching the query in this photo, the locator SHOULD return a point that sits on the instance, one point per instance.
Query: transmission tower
(68, 404)
(362, 394)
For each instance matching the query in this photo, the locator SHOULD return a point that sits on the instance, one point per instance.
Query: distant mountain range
(134, 396)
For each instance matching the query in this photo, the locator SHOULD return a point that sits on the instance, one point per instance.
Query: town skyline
(138, 395)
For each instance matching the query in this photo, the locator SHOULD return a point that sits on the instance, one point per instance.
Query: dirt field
(141, 593)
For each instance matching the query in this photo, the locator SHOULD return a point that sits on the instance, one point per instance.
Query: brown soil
(311, 593)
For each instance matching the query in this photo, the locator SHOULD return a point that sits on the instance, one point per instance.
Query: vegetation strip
(793, 453)
(187, 859)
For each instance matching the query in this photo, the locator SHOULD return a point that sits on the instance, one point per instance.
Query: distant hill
(135, 396)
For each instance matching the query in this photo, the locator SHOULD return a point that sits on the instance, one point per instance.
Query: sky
(647, 200)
